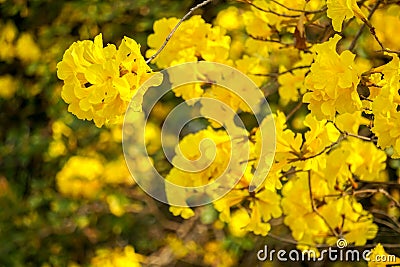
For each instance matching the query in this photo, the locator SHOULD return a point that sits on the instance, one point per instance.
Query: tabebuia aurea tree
(330, 72)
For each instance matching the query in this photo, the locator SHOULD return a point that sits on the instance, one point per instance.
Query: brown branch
(372, 30)
(391, 184)
(294, 110)
(269, 10)
(346, 134)
(325, 150)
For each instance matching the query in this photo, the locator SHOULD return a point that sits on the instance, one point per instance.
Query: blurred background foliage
(59, 203)
(43, 223)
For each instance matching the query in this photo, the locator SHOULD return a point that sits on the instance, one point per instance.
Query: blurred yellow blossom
(216, 255)
(230, 19)
(79, 177)
(26, 49)
(8, 33)
(118, 257)
(8, 86)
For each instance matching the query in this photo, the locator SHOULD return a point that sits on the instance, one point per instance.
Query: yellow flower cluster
(194, 40)
(100, 81)
(340, 215)
(251, 211)
(196, 147)
(216, 255)
(266, 15)
(291, 150)
(85, 176)
(333, 81)
(118, 257)
(385, 108)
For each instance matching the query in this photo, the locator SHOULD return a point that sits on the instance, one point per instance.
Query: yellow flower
(200, 162)
(229, 19)
(239, 221)
(350, 122)
(256, 208)
(290, 147)
(100, 81)
(366, 160)
(184, 212)
(340, 10)
(333, 82)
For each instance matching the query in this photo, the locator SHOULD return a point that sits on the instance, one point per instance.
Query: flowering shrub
(329, 70)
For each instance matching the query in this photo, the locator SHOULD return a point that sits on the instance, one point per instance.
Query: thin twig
(269, 10)
(276, 74)
(346, 134)
(357, 136)
(325, 150)
(176, 27)
(389, 51)
(299, 10)
(294, 110)
(259, 38)
(358, 34)
(314, 208)
(391, 184)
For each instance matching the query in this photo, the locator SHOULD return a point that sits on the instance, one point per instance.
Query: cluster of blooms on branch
(337, 115)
